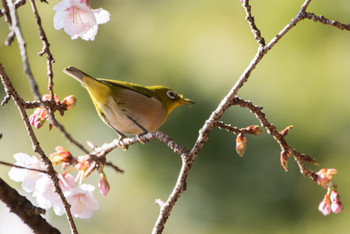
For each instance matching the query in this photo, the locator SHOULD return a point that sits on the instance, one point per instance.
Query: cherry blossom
(324, 178)
(27, 177)
(78, 19)
(82, 200)
(45, 192)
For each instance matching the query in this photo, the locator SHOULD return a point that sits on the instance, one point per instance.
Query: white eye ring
(171, 94)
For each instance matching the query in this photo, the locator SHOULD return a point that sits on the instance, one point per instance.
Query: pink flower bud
(47, 97)
(325, 206)
(336, 204)
(69, 101)
(61, 156)
(38, 118)
(103, 184)
(241, 144)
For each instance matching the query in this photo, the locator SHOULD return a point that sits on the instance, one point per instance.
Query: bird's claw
(121, 144)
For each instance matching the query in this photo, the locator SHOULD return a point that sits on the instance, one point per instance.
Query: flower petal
(102, 16)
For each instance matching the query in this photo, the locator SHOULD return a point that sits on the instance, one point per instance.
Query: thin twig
(22, 46)
(6, 12)
(21, 167)
(116, 168)
(6, 99)
(126, 142)
(250, 18)
(323, 20)
(46, 48)
(17, 4)
(279, 137)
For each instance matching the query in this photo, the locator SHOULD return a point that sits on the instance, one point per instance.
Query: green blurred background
(199, 48)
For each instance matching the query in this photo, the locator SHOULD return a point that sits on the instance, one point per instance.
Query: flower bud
(47, 97)
(38, 118)
(254, 129)
(241, 144)
(285, 131)
(336, 205)
(325, 205)
(103, 184)
(61, 156)
(69, 101)
(284, 159)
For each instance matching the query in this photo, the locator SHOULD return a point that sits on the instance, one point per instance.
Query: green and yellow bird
(129, 108)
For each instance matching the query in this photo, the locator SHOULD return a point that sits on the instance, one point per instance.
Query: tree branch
(323, 20)
(24, 209)
(211, 122)
(278, 136)
(250, 18)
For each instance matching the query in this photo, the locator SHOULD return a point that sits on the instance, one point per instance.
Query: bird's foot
(139, 137)
(120, 143)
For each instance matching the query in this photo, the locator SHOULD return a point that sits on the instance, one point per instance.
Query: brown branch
(323, 20)
(17, 4)
(211, 123)
(250, 18)
(278, 136)
(46, 48)
(116, 168)
(22, 46)
(11, 35)
(21, 167)
(235, 130)
(126, 142)
(24, 209)
(6, 99)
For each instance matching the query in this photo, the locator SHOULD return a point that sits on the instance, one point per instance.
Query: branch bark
(24, 209)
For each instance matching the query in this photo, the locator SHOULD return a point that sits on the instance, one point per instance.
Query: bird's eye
(171, 94)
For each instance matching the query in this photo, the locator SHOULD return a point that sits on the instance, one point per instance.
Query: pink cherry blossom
(45, 192)
(27, 177)
(78, 19)
(324, 178)
(82, 200)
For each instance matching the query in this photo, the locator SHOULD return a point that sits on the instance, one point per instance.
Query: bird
(129, 109)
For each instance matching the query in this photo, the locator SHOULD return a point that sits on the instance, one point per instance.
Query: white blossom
(27, 177)
(78, 19)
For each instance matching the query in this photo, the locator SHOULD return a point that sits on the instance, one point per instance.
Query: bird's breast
(129, 106)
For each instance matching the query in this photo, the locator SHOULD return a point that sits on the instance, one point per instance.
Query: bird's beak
(187, 101)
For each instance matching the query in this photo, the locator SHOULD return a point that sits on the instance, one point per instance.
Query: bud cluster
(40, 115)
